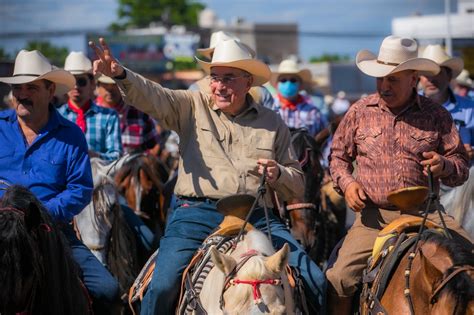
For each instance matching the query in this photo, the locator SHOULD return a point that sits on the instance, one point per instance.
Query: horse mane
(31, 245)
(462, 286)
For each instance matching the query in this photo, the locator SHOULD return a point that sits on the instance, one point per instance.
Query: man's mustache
(25, 102)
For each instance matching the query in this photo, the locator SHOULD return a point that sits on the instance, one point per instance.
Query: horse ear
(277, 262)
(430, 273)
(224, 262)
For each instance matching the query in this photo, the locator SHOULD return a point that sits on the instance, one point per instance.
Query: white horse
(459, 202)
(251, 280)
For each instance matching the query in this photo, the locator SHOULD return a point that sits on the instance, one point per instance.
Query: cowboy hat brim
(367, 62)
(260, 71)
(455, 64)
(305, 75)
(64, 80)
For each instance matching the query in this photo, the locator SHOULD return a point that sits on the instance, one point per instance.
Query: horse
(37, 271)
(140, 180)
(102, 228)
(249, 280)
(314, 226)
(435, 277)
(459, 202)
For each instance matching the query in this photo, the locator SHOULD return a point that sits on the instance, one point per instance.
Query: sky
(326, 26)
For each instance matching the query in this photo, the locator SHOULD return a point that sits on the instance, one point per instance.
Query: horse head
(251, 280)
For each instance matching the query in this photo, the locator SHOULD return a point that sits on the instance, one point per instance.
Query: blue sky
(338, 17)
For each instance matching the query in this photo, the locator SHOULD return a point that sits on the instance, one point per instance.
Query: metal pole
(447, 12)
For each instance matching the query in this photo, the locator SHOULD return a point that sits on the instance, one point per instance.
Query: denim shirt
(55, 167)
(462, 110)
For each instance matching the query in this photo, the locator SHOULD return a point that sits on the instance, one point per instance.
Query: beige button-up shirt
(219, 153)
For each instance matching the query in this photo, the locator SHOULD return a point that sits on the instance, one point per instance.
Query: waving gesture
(106, 64)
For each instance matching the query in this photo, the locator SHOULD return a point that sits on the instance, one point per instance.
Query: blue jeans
(187, 227)
(97, 279)
(143, 234)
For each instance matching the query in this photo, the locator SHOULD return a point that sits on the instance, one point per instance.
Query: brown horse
(435, 277)
(315, 227)
(140, 180)
(37, 271)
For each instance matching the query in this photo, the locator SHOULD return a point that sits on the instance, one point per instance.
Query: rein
(456, 270)
(301, 206)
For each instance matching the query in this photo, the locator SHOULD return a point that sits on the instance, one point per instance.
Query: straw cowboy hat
(439, 55)
(78, 63)
(32, 66)
(464, 79)
(396, 54)
(290, 66)
(231, 53)
(218, 37)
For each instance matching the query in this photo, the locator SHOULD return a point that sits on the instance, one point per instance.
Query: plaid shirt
(138, 129)
(388, 148)
(306, 116)
(103, 130)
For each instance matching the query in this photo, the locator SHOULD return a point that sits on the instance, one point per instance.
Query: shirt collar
(54, 120)
(94, 107)
(252, 105)
(376, 100)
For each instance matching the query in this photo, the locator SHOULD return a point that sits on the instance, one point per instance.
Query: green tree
(4, 55)
(329, 58)
(56, 55)
(140, 13)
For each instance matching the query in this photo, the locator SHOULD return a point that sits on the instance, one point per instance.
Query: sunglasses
(81, 82)
(292, 80)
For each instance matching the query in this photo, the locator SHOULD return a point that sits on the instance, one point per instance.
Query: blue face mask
(288, 89)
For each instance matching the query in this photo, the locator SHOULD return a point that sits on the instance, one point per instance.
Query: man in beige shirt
(226, 140)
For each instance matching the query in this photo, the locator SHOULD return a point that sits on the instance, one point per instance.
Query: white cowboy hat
(464, 79)
(231, 53)
(396, 54)
(105, 79)
(439, 55)
(218, 37)
(78, 63)
(32, 66)
(290, 66)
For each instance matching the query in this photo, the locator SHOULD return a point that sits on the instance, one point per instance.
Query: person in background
(463, 85)
(392, 135)
(138, 130)
(46, 153)
(437, 88)
(101, 126)
(295, 109)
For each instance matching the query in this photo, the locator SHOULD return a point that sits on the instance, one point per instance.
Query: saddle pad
(406, 223)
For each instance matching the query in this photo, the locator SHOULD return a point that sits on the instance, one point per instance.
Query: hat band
(388, 63)
(26, 74)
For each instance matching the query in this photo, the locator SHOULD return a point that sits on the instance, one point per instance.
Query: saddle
(391, 244)
(228, 228)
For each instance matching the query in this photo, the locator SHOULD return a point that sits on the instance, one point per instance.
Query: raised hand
(106, 64)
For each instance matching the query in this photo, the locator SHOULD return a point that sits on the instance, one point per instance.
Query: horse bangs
(19, 258)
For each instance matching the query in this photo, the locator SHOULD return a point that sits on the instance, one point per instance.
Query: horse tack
(456, 270)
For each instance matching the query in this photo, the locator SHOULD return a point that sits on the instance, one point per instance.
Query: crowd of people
(232, 130)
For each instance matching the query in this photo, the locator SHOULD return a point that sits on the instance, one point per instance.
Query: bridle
(455, 271)
(231, 279)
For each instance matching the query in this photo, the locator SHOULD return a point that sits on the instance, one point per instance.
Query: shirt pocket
(210, 142)
(52, 169)
(420, 141)
(368, 141)
(261, 148)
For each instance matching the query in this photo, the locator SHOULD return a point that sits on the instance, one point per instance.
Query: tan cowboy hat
(396, 54)
(32, 66)
(105, 79)
(78, 63)
(464, 79)
(231, 53)
(439, 55)
(218, 37)
(290, 66)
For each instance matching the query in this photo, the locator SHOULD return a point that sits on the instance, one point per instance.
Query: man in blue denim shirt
(46, 153)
